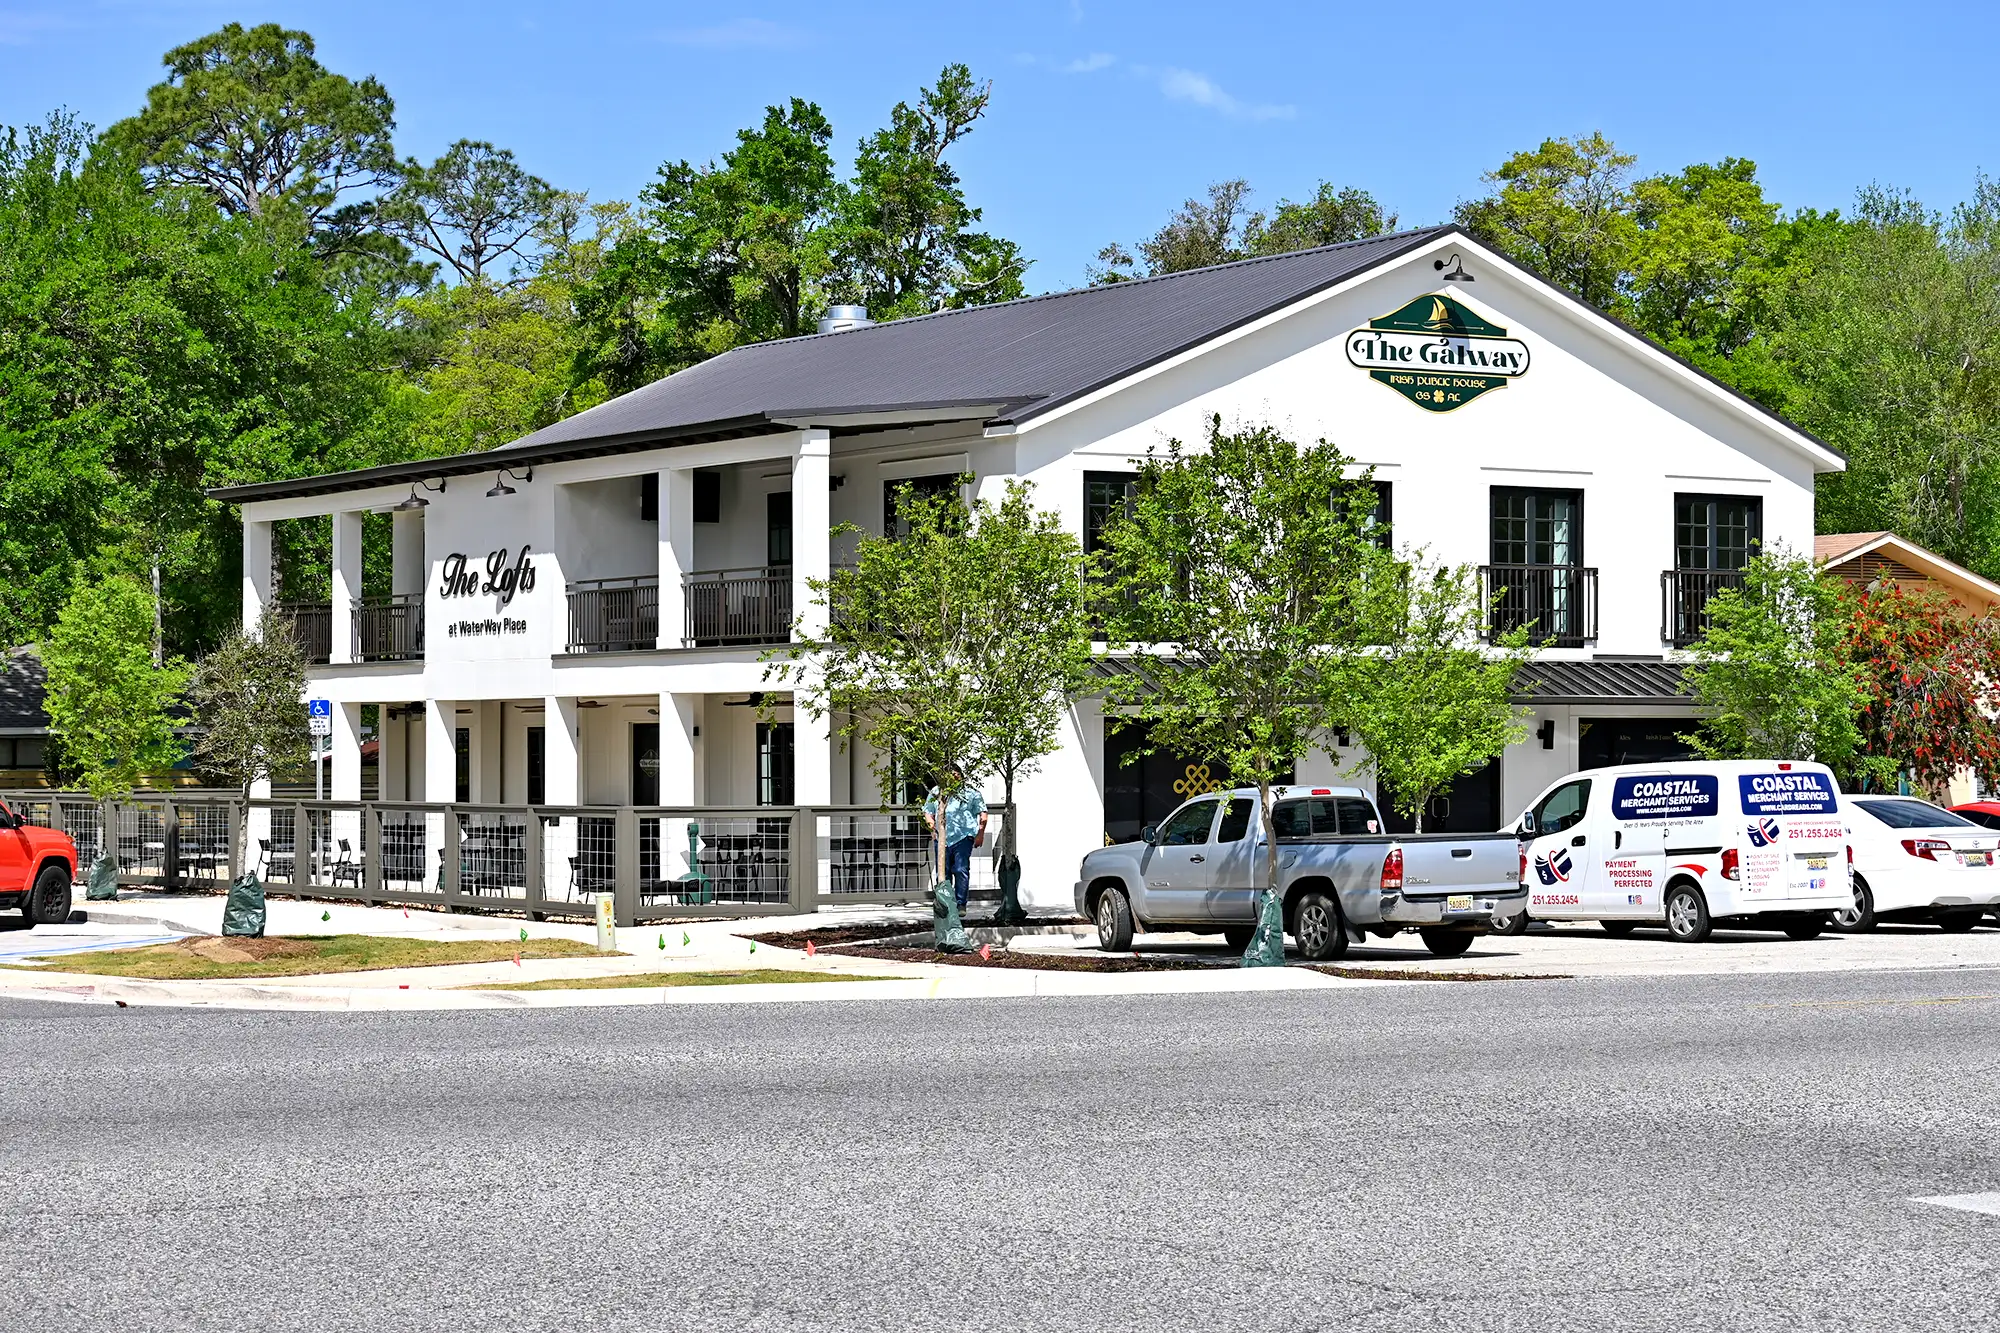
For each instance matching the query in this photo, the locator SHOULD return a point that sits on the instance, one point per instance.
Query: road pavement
(1652, 1153)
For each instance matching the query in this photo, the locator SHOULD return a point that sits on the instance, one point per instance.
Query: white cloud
(737, 34)
(1184, 85)
(1089, 64)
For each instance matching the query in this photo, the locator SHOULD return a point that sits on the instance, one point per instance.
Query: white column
(440, 751)
(346, 763)
(676, 553)
(406, 559)
(812, 561)
(256, 570)
(677, 775)
(346, 582)
(561, 769)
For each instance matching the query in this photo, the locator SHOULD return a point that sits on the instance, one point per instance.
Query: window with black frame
(1106, 496)
(1537, 579)
(774, 763)
(893, 524)
(1715, 537)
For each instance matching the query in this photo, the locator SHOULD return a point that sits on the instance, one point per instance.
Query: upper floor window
(893, 523)
(1536, 527)
(1716, 531)
(1382, 518)
(778, 528)
(1106, 495)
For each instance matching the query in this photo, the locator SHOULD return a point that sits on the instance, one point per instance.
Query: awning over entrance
(1598, 681)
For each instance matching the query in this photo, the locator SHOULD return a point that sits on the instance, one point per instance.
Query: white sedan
(1916, 862)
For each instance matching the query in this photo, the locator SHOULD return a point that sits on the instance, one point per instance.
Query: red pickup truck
(37, 866)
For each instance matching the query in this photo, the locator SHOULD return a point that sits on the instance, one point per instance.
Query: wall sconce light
(500, 486)
(416, 502)
(836, 481)
(1546, 734)
(1458, 273)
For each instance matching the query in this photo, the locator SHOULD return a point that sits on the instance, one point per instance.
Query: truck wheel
(1444, 942)
(1687, 914)
(1618, 930)
(1861, 916)
(48, 903)
(1238, 937)
(1957, 923)
(1516, 924)
(1317, 926)
(1114, 922)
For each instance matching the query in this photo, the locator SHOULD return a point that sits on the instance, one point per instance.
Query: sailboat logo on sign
(1437, 353)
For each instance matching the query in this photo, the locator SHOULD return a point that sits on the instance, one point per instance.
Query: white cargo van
(1689, 845)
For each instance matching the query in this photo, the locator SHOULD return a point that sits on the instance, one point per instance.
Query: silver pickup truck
(1341, 876)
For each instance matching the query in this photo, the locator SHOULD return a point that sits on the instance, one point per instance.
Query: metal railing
(389, 629)
(1684, 598)
(313, 623)
(1552, 602)
(738, 606)
(656, 862)
(614, 615)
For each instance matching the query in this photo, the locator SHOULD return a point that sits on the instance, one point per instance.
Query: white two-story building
(578, 617)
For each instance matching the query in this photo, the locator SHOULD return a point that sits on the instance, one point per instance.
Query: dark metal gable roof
(1031, 355)
(23, 688)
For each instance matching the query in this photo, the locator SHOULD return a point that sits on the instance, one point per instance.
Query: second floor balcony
(721, 608)
(385, 629)
(1684, 598)
(1556, 604)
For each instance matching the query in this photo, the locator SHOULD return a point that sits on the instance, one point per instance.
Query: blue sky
(1105, 116)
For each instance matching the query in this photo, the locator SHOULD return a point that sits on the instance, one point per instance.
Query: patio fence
(655, 862)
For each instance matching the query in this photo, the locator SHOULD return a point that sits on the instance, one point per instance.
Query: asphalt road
(1675, 1154)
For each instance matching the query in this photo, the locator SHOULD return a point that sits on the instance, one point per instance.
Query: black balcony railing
(1552, 602)
(1684, 597)
(739, 606)
(389, 629)
(313, 623)
(614, 615)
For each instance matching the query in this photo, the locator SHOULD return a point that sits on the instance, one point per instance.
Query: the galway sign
(1437, 354)
(506, 574)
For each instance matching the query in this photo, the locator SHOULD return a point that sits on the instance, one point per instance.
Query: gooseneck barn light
(500, 486)
(416, 502)
(1458, 273)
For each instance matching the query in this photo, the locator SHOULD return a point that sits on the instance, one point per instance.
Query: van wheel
(1618, 930)
(1238, 937)
(1317, 926)
(1444, 942)
(1114, 922)
(1687, 914)
(1861, 916)
(1807, 928)
(1957, 923)
(48, 903)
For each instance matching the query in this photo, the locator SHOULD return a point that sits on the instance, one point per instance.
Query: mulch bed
(821, 937)
(1033, 962)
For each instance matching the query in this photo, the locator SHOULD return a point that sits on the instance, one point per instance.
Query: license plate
(1458, 902)
(1975, 858)
(1815, 863)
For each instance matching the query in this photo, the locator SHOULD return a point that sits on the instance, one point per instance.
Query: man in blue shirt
(964, 828)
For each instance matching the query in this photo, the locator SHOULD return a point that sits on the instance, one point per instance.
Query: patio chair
(584, 879)
(344, 869)
(271, 864)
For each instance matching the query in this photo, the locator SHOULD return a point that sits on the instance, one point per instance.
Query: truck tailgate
(1465, 863)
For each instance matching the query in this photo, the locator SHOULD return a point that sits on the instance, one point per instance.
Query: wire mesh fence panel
(493, 854)
(83, 820)
(200, 836)
(139, 839)
(279, 855)
(726, 859)
(580, 858)
(894, 852)
(411, 863)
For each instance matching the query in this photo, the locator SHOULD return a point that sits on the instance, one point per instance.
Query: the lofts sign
(1437, 354)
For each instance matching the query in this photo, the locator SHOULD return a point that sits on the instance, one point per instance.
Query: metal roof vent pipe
(838, 317)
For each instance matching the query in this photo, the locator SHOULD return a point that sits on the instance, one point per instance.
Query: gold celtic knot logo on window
(1196, 782)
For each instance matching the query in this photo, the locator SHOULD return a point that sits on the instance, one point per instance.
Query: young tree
(107, 701)
(1930, 679)
(1432, 701)
(1775, 669)
(472, 208)
(1246, 579)
(249, 700)
(955, 643)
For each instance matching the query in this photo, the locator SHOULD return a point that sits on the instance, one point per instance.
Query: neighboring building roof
(1000, 364)
(23, 689)
(1598, 681)
(1866, 556)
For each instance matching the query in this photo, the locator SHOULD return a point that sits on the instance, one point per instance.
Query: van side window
(1188, 826)
(1563, 808)
(1235, 820)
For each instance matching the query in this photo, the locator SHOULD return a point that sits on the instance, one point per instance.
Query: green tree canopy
(1221, 229)
(472, 208)
(108, 703)
(1563, 210)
